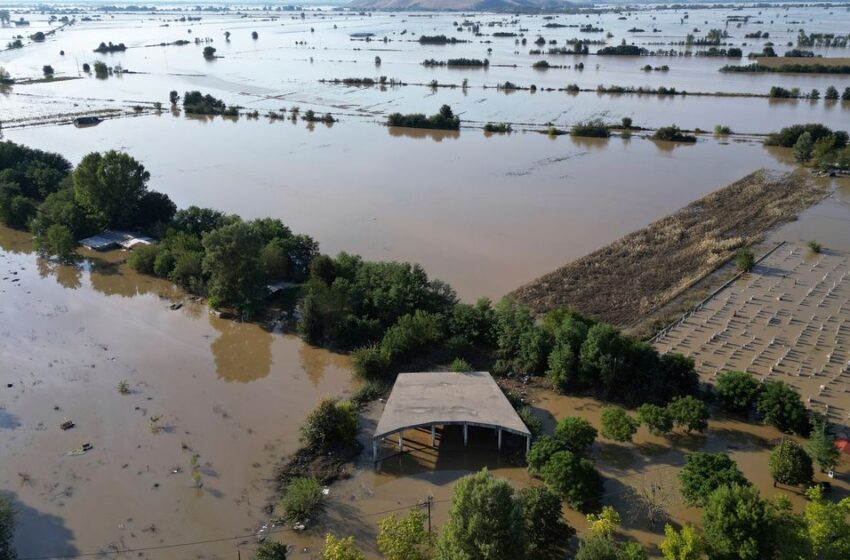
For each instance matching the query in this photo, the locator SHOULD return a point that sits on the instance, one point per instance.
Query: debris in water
(66, 424)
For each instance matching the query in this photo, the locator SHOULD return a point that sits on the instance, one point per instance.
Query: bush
(459, 365)
(814, 246)
(531, 420)
(673, 134)
(689, 412)
(789, 135)
(736, 391)
(47, 70)
(541, 451)
(209, 52)
(745, 260)
(704, 473)
(618, 425)
(722, 130)
(142, 258)
(574, 479)
(790, 464)
(330, 423)
(302, 500)
(592, 129)
(779, 405)
(575, 434)
(444, 120)
(368, 392)
(656, 418)
(334, 548)
(270, 550)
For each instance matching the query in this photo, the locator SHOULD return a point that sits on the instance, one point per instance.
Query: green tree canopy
(704, 473)
(576, 433)
(618, 425)
(404, 538)
(738, 524)
(546, 532)
(686, 544)
(781, 406)
(790, 464)
(484, 521)
(736, 391)
(574, 478)
(110, 187)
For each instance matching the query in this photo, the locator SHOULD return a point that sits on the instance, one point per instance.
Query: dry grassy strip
(633, 276)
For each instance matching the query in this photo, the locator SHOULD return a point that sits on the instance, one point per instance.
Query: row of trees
(445, 119)
(814, 144)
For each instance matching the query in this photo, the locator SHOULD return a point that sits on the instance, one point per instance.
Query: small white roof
(442, 398)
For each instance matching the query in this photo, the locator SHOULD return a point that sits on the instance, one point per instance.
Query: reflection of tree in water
(313, 362)
(115, 279)
(242, 352)
(69, 277)
(436, 135)
(15, 241)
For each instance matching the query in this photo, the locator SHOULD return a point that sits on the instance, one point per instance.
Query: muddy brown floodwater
(485, 214)
(234, 394)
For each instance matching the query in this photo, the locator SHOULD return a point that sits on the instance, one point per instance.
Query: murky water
(68, 337)
(485, 214)
(284, 65)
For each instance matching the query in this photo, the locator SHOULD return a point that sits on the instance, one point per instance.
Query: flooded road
(484, 213)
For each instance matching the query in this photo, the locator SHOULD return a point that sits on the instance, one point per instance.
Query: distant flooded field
(485, 214)
(291, 54)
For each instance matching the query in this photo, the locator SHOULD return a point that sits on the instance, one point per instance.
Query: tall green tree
(340, 549)
(736, 391)
(574, 478)
(110, 186)
(231, 261)
(404, 538)
(687, 544)
(704, 473)
(821, 446)
(484, 521)
(738, 524)
(781, 406)
(546, 532)
(790, 464)
(618, 425)
(828, 525)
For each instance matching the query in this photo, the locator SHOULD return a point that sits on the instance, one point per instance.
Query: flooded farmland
(222, 400)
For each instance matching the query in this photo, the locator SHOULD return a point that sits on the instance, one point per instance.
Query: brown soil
(630, 278)
(326, 467)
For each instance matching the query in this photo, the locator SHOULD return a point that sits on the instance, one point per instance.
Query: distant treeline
(808, 68)
(110, 48)
(439, 40)
(469, 62)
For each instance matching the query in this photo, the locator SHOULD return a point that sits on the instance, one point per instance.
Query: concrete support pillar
(400, 442)
(374, 449)
(527, 444)
(499, 431)
(465, 434)
(433, 436)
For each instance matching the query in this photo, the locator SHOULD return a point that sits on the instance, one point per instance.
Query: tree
(736, 391)
(302, 499)
(605, 522)
(689, 412)
(831, 93)
(821, 446)
(827, 525)
(254, 35)
(5, 17)
(57, 240)
(745, 260)
(484, 521)
(110, 186)
(779, 405)
(656, 418)
(231, 261)
(803, 147)
(155, 208)
(574, 478)
(541, 451)
(604, 547)
(686, 544)
(404, 538)
(340, 549)
(173, 97)
(271, 550)
(738, 524)
(330, 423)
(789, 464)
(576, 434)
(47, 70)
(209, 52)
(7, 530)
(618, 425)
(704, 473)
(546, 532)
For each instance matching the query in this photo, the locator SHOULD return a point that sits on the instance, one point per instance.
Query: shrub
(444, 120)
(574, 479)
(404, 538)
(302, 500)
(593, 129)
(722, 130)
(100, 69)
(781, 406)
(618, 425)
(745, 260)
(673, 134)
(142, 258)
(270, 550)
(704, 473)
(656, 418)
(736, 391)
(209, 52)
(330, 423)
(790, 464)
(47, 70)
(689, 412)
(334, 548)
(626, 122)
(575, 434)
(459, 365)
(531, 420)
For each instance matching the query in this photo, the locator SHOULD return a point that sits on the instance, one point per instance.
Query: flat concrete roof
(443, 398)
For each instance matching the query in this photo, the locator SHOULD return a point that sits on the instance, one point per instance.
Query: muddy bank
(624, 281)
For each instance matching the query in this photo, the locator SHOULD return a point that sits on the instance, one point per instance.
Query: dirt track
(628, 279)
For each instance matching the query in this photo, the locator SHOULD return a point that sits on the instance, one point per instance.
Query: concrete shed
(430, 399)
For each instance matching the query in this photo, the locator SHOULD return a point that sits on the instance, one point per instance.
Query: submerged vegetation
(196, 103)
(814, 144)
(444, 120)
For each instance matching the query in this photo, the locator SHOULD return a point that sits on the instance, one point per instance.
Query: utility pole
(427, 504)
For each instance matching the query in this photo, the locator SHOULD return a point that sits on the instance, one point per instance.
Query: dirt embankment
(630, 278)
